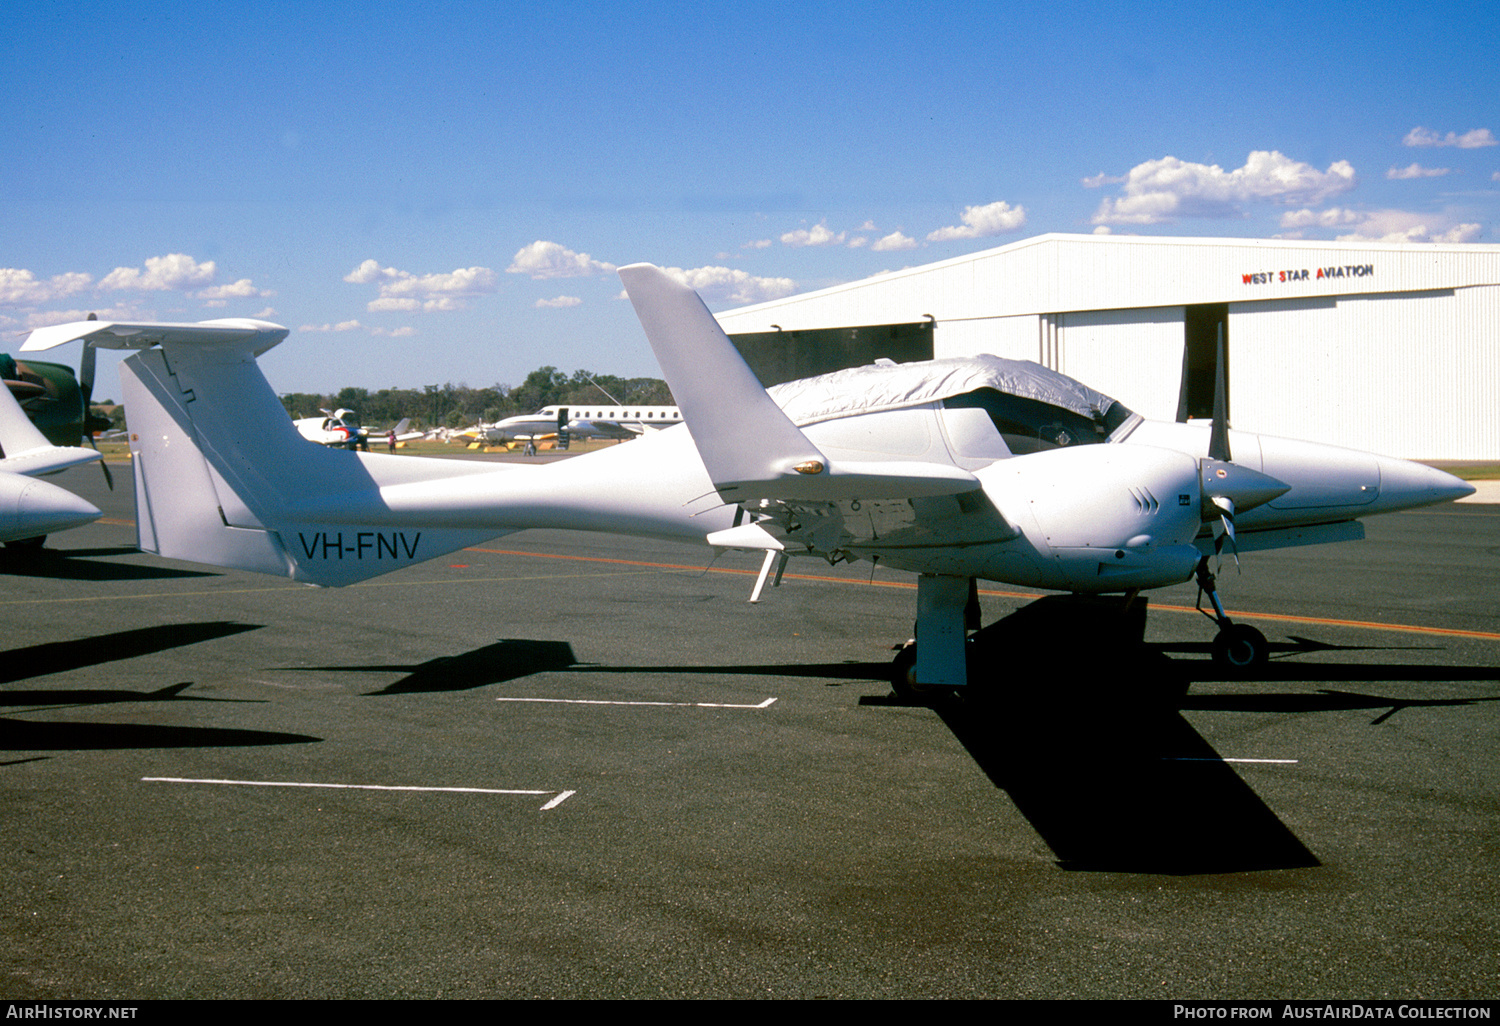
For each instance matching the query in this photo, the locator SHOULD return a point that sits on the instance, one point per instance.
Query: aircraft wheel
(1241, 648)
(904, 681)
(25, 545)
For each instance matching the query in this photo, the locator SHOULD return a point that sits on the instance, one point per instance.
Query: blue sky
(439, 192)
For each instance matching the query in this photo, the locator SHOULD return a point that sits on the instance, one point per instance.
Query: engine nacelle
(30, 508)
(1103, 518)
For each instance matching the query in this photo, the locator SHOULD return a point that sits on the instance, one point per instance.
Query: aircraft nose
(1407, 485)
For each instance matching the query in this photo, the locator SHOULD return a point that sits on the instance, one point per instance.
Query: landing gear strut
(947, 609)
(1238, 647)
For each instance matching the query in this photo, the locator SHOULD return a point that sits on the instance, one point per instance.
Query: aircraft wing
(26, 451)
(607, 428)
(751, 449)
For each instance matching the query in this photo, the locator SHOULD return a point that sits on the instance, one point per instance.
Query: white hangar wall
(1388, 347)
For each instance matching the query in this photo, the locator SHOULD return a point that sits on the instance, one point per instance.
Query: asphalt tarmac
(563, 765)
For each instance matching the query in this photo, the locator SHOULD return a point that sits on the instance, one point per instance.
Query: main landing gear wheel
(1240, 648)
(904, 679)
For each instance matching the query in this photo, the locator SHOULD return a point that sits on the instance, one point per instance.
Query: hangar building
(1393, 348)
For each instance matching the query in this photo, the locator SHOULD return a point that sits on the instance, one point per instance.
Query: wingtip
(53, 335)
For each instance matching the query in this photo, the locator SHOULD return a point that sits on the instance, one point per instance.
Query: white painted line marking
(599, 701)
(1274, 762)
(361, 787)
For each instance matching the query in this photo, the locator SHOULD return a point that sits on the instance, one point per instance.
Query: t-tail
(222, 476)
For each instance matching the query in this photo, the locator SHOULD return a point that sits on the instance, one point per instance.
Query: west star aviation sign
(1305, 274)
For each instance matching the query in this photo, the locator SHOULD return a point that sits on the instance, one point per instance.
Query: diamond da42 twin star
(955, 470)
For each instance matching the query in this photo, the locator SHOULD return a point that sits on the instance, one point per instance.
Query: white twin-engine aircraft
(954, 470)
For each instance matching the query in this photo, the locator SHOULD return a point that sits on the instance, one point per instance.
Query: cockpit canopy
(1032, 407)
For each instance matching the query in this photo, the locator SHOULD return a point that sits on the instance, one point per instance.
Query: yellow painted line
(647, 566)
(1234, 613)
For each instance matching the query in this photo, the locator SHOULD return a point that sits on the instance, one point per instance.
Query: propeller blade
(1218, 441)
(1225, 528)
(109, 478)
(86, 373)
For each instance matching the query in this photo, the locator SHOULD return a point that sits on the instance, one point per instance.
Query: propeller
(1227, 486)
(86, 386)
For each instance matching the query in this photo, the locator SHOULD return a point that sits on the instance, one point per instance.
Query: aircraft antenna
(602, 389)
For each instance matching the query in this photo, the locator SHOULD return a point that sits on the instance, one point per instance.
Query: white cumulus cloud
(980, 222)
(173, 271)
(1408, 226)
(340, 326)
(894, 241)
(402, 290)
(553, 260)
(1471, 140)
(1414, 170)
(1380, 225)
(370, 271)
(242, 289)
(19, 287)
(717, 284)
(1160, 190)
(818, 235)
(1333, 217)
(389, 305)
(561, 302)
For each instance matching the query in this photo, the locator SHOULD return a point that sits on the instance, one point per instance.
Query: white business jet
(955, 470)
(584, 421)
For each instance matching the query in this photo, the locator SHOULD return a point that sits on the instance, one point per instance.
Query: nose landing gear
(1238, 647)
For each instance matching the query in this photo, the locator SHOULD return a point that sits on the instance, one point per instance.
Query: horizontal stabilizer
(751, 449)
(235, 331)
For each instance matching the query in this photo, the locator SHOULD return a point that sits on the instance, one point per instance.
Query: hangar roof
(1060, 273)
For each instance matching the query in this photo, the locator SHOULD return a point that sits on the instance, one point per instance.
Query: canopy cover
(891, 386)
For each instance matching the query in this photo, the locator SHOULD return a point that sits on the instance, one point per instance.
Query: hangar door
(777, 356)
(1134, 356)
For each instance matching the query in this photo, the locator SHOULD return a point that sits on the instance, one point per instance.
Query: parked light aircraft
(953, 469)
(339, 429)
(583, 421)
(31, 509)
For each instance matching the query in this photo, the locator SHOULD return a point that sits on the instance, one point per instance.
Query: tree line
(457, 406)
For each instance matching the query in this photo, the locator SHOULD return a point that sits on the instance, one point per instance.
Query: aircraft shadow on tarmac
(19, 735)
(76, 565)
(1092, 747)
(24, 736)
(506, 659)
(59, 656)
